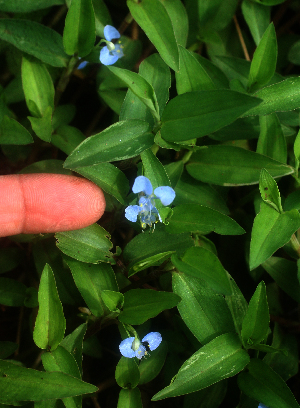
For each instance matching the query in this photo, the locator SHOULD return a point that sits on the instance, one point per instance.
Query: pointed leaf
(34, 39)
(264, 60)
(223, 357)
(120, 141)
(79, 32)
(50, 324)
(232, 166)
(203, 112)
(154, 19)
(38, 385)
(256, 321)
(270, 232)
(204, 311)
(194, 217)
(261, 383)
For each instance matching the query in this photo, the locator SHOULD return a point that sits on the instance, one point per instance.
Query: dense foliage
(191, 124)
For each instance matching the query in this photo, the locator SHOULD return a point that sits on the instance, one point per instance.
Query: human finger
(43, 203)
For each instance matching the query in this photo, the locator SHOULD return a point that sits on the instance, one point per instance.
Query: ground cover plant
(185, 293)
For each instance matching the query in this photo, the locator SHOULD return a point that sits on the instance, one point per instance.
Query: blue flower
(82, 64)
(111, 52)
(146, 209)
(262, 405)
(133, 347)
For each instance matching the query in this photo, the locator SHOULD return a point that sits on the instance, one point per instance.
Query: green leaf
(221, 358)
(280, 97)
(19, 6)
(50, 324)
(191, 76)
(13, 133)
(232, 166)
(284, 363)
(66, 138)
(154, 260)
(203, 112)
(159, 242)
(127, 373)
(35, 39)
(37, 85)
(264, 60)
(113, 300)
(271, 141)
(189, 190)
(179, 19)
(270, 232)
(38, 385)
(10, 258)
(12, 292)
(297, 150)
(79, 32)
(109, 178)
(91, 280)
(90, 244)
(102, 17)
(237, 305)
(7, 348)
(155, 71)
(139, 86)
(269, 2)
(73, 343)
(150, 367)
(195, 217)
(261, 383)
(204, 311)
(130, 399)
(201, 263)
(255, 325)
(143, 304)
(257, 18)
(42, 126)
(120, 141)
(63, 361)
(284, 273)
(154, 19)
(154, 170)
(269, 190)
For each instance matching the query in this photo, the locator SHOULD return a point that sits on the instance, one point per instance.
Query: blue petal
(131, 212)
(125, 348)
(153, 339)
(141, 183)
(107, 57)
(111, 33)
(82, 64)
(262, 405)
(166, 194)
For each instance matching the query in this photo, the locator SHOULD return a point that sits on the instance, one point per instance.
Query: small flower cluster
(146, 209)
(133, 347)
(111, 52)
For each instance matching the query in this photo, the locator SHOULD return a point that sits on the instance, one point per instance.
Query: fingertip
(44, 203)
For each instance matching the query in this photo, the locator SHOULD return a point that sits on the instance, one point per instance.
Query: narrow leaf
(50, 324)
